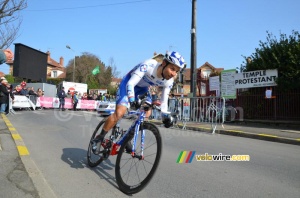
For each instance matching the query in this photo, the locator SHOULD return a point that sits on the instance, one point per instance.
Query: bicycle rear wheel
(95, 159)
(132, 173)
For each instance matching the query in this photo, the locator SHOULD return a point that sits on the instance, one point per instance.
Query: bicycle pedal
(105, 154)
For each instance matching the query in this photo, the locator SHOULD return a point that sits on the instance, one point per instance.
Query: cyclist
(137, 82)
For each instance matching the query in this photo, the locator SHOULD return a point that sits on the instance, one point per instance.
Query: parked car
(106, 108)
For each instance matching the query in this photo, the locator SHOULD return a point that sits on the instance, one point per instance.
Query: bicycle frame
(136, 125)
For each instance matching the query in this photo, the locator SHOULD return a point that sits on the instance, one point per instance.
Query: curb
(266, 137)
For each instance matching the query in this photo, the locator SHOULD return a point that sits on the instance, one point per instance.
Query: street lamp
(67, 46)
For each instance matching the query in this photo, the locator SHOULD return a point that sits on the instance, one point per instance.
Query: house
(54, 69)
(203, 74)
(115, 82)
(2, 74)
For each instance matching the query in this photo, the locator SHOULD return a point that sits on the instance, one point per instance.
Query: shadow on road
(77, 158)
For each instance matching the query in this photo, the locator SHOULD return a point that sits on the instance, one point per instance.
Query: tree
(10, 20)
(10, 79)
(84, 66)
(112, 64)
(282, 54)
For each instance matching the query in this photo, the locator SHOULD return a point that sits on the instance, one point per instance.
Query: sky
(130, 31)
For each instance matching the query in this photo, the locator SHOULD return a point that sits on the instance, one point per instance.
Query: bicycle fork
(133, 153)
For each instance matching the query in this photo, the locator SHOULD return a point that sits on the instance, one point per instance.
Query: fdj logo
(185, 156)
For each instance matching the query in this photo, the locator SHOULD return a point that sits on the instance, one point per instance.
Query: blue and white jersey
(138, 80)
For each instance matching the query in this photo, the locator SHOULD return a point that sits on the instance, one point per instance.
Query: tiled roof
(63, 75)
(206, 64)
(116, 80)
(52, 62)
(187, 71)
(2, 74)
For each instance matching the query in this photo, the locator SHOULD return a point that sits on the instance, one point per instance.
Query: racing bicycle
(134, 167)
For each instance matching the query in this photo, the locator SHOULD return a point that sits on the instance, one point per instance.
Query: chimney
(48, 59)
(61, 61)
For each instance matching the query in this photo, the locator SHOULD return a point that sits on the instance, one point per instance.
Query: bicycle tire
(95, 159)
(124, 158)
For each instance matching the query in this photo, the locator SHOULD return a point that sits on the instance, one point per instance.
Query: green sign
(227, 84)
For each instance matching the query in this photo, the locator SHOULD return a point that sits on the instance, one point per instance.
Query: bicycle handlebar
(142, 101)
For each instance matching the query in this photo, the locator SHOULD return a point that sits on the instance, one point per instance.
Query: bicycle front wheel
(134, 173)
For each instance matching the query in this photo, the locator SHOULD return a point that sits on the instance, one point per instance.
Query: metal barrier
(32, 98)
(210, 110)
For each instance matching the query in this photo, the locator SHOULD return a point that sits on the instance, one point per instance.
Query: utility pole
(193, 52)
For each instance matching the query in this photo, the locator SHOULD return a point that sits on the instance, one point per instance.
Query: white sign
(227, 84)
(214, 83)
(81, 88)
(259, 78)
(22, 102)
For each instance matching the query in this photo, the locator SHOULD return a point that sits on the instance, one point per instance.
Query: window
(206, 73)
(54, 74)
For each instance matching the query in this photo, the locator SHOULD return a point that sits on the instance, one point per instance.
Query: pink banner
(68, 103)
(46, 102)
(50, 102)
(87, 104)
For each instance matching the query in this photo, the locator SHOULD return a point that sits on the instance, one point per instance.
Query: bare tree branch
(10, 20)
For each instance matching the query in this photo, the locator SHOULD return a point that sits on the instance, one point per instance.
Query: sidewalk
(14, 178)
(283, 132)
(19, 176)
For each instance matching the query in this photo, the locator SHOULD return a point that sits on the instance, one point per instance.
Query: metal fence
(250, 104)
(210, 110)
(284, 105)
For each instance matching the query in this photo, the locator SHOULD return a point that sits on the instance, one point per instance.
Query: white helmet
(175, 58)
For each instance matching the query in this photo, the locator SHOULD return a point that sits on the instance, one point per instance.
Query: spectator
(69, 94)
(90, 97)
(31, 91)
(108, 97)
(79, 96)
(17, 90)
(11, 96)
(84, 97)
(23, 91)
(103, 97)
(95, 97)
(99, 97)
(75, 100)
(6, 55)
(23, 84)
(39, 92)
(4, 94)
(171, 103)
(61, 95)
(154, 112)
(32, 94)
